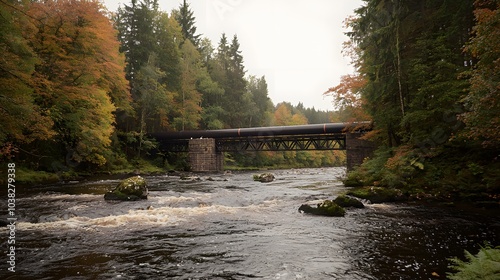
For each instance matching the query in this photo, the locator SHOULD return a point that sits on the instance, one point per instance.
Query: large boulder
(264, 177)
(327, 208)
(133, 188)
(346, 201)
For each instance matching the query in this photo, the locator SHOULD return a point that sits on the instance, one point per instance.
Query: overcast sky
(295, 44)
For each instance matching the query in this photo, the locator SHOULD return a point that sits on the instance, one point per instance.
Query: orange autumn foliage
(348, 100)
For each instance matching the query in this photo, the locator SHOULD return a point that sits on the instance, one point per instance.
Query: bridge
(206, 147)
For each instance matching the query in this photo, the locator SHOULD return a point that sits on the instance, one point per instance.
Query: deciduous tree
(80, 80)
(483, 101)
(21, 120)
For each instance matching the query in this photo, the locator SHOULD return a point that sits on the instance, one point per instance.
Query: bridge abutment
(357, 149)
(204, 157)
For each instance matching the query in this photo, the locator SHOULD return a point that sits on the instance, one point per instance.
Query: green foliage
(185, 18)
(484, 265)
(420, 85)
(21, 120)
(483, 101)
(410, 53)
(76, 44)
(26, 176)
(371, 171)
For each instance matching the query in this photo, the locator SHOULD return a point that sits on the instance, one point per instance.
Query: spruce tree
(186, 19)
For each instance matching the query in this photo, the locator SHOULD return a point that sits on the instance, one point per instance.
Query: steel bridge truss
(269, 143)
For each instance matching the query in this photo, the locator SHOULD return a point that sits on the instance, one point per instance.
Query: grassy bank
(26, 176)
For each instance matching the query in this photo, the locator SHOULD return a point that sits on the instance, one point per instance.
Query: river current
(227, 226)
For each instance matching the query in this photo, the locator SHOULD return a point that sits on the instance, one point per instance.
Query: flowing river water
(231, 227)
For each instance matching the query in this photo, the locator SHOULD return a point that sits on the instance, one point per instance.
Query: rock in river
(133, 188)
(346, 201)
(327, 208)
(264, 177)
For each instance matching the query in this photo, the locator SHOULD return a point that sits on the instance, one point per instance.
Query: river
(227, 226)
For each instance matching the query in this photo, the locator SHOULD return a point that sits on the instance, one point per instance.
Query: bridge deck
(330, 136)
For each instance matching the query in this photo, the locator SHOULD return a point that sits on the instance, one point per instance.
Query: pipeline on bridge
(308, 129)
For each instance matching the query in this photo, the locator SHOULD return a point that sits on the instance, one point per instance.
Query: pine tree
(261, 114)
(136, 26)
(151, 40)
(187, 21)
(236, 103)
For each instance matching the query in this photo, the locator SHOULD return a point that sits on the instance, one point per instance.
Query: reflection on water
(231, 227)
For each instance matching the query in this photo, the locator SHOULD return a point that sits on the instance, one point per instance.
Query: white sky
(295, 44)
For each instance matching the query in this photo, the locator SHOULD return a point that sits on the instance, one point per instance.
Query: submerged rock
(327, 208)
(346, 201)
(133, 188)
(264, 177)
(187, 178)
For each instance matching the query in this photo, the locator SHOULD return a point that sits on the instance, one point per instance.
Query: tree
(410, 54)
(347, 98)
(233, 80)
(483, 101)
(168, 35)
(257, 88)
(151, 43)
(189, 98)
(76, 43)
(152, 101)
(187, 21)
(283, 115)
(21, 120)
(136, 32)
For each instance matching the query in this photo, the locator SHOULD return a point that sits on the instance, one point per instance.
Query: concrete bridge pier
(357, 149)
(204, 157)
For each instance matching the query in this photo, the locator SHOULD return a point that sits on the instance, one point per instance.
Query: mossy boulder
(327, 208)
(133, 188)
(264, 177)
(346, 201)
(378, 194)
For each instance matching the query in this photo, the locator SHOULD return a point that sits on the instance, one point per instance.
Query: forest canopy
(81, 87)
(427, 74)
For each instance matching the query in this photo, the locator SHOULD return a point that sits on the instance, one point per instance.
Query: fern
(485, 265)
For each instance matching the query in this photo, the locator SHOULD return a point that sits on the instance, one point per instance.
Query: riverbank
(28, 176)
(394, 195)
(450, 174)
(138, 167)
